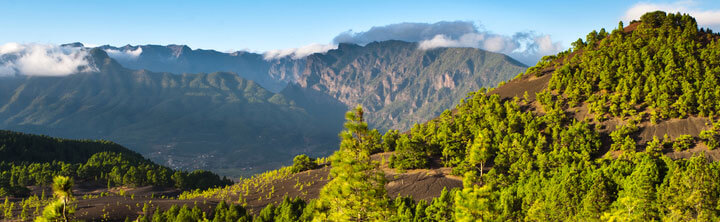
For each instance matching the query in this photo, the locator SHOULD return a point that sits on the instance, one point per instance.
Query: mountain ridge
(320, 71)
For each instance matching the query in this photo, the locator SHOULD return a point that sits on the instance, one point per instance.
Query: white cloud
(297, 53)
(525, 47)
(704, 17)
(125, 54)
(410, 32)
(546, 45)
(42, 60)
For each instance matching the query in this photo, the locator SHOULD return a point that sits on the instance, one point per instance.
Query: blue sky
(266, 25)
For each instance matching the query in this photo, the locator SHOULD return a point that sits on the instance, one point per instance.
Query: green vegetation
(121, 168)
(222, 212)
(711, 137)
(521, 164)
(302, 163)
(409, 154)
(357, 189)
(683, 142)
(666, 67)
(60, 209)
(115, 169)
(544, 166)
(20, 147)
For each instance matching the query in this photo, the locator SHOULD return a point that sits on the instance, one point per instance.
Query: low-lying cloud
(124, 54)
(297, 53)
(42, 60)
(704, 17)
(527, 47)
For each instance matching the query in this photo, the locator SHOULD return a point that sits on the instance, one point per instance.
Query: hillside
(103, 173)
(20, 147)
(623, 126)
(189, 121)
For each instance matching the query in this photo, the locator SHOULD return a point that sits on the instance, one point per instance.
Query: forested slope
(571, 150)
(27, 160)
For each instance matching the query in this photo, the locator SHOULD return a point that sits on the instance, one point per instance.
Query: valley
(621, 126)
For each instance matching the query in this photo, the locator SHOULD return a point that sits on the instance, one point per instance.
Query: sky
(280, 28)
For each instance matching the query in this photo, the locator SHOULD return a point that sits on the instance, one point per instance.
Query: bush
(710, 137)
(389, 140)
(302, 163)
(683, 142)
(409, 155)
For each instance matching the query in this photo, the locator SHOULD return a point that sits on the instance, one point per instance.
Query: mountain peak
(100, 59)
(74, 44)
(179, 50)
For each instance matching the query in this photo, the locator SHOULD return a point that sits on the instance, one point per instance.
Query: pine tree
(637, 201)
(480, 151)
(357, 189)
(473, 202)
(59, 209)
(441, 208)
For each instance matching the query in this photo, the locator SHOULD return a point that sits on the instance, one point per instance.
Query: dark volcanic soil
(96, 203)
(422, 184)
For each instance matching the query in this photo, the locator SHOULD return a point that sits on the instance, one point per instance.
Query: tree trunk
(64, 210)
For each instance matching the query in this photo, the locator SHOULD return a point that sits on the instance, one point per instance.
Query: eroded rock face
(398, 84)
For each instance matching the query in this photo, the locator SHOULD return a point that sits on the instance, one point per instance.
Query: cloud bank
(125, 55)
(704, 17)
(297, 53)
(42, 60)
(527, 47)
(410, 32)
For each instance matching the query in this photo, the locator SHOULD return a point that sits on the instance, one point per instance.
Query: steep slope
(398, 84)
(189, 121)
(621, 126)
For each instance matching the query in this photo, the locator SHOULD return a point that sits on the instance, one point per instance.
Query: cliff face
(399, 84)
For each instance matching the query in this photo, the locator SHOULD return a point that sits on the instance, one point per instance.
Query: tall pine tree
(357, 189)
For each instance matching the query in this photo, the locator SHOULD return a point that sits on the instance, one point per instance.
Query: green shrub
(409, 154)
(302, 163)
(683, 142)
(711, 138)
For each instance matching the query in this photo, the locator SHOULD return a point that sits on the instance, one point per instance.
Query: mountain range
(229, 120)
(395, 81)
